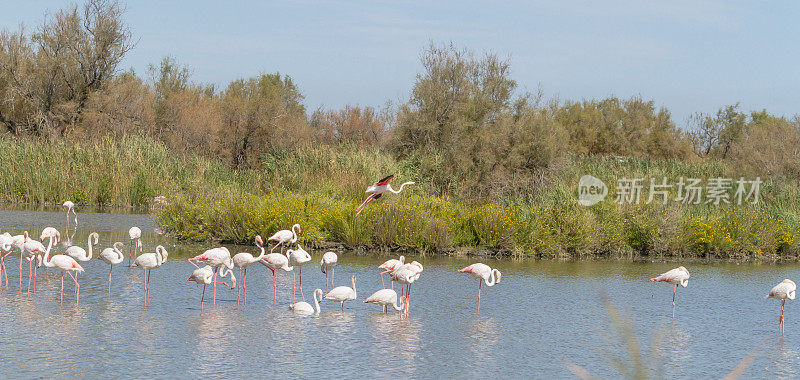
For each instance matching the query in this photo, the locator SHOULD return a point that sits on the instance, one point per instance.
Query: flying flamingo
(378, 188)
(148, 262)
(65, 264)
(390, 265)
(342, 293)
(328, 263)
(79, 254)
(283, 237)
(783, 291)
(386, 297)
(242, 260)
(112, 256)
(71, 207)
(135, 233)
(215, 257)
(297, 258)
(677, 276)
(483, 272)
(204, 276)
(304, 307)
(275, 261)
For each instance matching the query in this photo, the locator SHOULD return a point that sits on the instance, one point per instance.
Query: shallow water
(542, 316)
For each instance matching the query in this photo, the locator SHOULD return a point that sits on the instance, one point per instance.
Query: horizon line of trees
(463, 117)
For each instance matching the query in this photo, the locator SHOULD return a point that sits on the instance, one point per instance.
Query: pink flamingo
(71, 208)
(677, 276)
(275, 261)
(389, 266)
(783, 291)
(297, 258)
(135, 233)
(78, 253)
(204, 276)
(112, 256)
(215, 257)
(6, 244)
(283, 237)
(341, 294)
(328, 263)
(242, 260)
(482, 272)
(65, 264)
(304, 307)
(18, 241)
(386, 297)
(378, 188)
(406, 275)
(36, 249)
(148, 262)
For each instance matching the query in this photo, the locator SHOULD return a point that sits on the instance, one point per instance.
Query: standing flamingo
(79, 254)
(148, 262)
(6, 244)
(112, 256)
(204, 276)
(283, 237)
(65, 264)
(35, 249)
(406, 275)
(328, 263)
(386, 297)
(378, 188)
(391, 265)
(215, 257)
(242, 260)
(275, 261)
(71, 207)
(304, 307)
(342, 293)
(18, 241)
(677, 276)
(483, 272)
(297, 258)
(783, 291)
(135, 233)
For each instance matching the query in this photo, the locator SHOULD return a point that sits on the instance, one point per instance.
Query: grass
(319, 187)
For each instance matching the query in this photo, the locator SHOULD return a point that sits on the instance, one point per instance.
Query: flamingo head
(259, 240)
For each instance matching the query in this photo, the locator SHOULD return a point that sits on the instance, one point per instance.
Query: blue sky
(686, 55)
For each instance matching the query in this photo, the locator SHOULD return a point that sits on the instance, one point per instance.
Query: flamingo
(71, 207)
(386, 297)
(304, 307)
(328, 262)
(242, 260)
(783, 291)
(677, 276)
(78, 253)
(35, 249)
(65, 264)
(390, 265)
(378, 188)
(342, 293)
(47, 233)
(297, 258)
(285, 236)
(148, 262)
(135, 233)
(483, 272)
(215, 257)
(6, 244)
(406, 275)
(204, 276)
(275, 261)
(112, 256)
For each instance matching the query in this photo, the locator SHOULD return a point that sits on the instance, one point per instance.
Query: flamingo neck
(294, 234)
(48, 263)
(316, 302)
(120, 256)
(355, 294)
(490, 281)
(263, 253)
(89, 243)
(389, 187)
(396, 307)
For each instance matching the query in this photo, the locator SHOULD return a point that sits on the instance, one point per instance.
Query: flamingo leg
(109, 278)
(214, 300)
(301, 284)
(673, 301)
(20, 272)
(35, 269)
(333, 272)
(382, 283)
(239, 289)
(77, 289)
(479, 295)
(244, 285)
(780, 324)
(62, 289)
(274, 286)
(30, 275)
(202, 296)
(364, 204)
(294, 288)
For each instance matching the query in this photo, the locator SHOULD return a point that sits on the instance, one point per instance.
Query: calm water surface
(542, 316)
